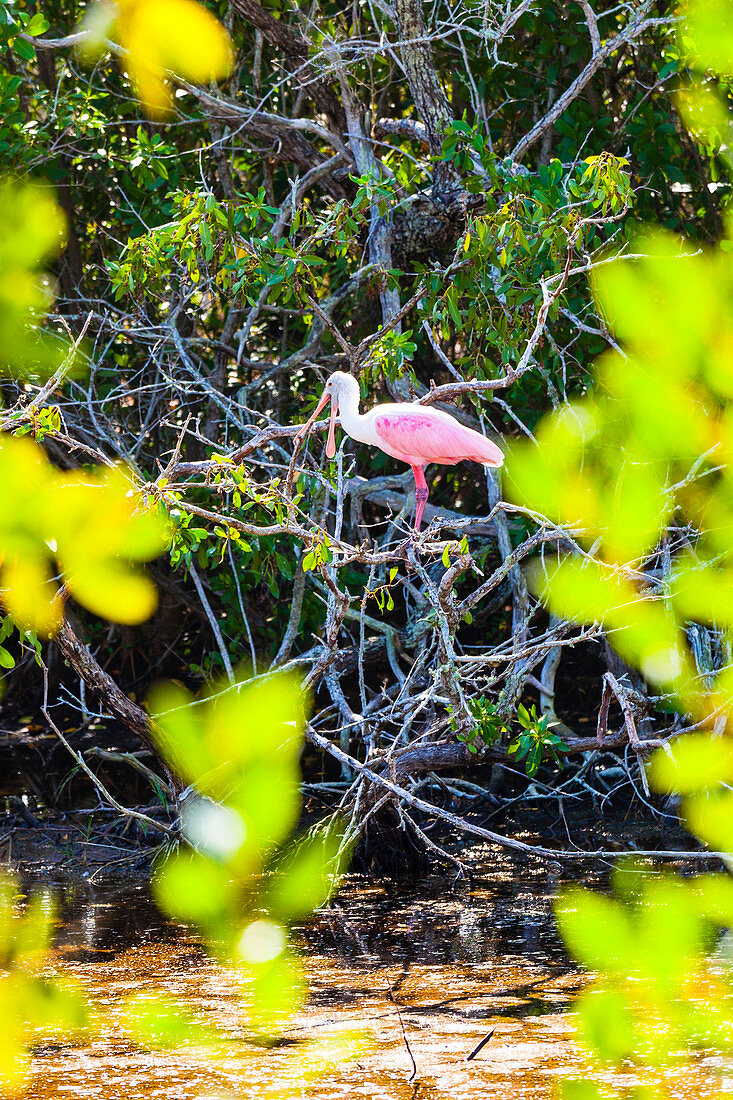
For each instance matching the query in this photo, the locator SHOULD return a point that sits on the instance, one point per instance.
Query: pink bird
(414, 434)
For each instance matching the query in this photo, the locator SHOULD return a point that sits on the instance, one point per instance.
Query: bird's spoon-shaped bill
(331, 443)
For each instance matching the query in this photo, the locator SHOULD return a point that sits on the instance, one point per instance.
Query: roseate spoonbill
(415, 434)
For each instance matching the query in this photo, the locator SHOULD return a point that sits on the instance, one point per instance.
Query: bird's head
(338, 385)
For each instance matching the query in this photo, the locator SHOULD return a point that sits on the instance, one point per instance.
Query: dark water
(457, 962)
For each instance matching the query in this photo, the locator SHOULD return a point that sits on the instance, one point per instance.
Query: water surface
(434, 967)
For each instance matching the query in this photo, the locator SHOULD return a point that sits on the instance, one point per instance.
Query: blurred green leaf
(276, 990)
(161, 36)
(714, 897)
(583, 1090)
(671, 935)
(710, 817)
(195, 889)
(306, 878)
(642, 630)
(598, 930)
(32, 230)
(158, 1023)
(92, 524)
(707, 34)
(692, 763)
(606, 1024)
(702, 591)
(240, 747)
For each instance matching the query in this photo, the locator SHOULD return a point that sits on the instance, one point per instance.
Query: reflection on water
(444, 966)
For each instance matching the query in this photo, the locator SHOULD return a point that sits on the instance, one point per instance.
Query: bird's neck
(350, 418)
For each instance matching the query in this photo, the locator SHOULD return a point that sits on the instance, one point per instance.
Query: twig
(480, 1046)
(405, 1040)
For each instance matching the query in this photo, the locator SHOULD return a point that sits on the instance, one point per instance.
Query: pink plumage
(410, 433)
(432, 436)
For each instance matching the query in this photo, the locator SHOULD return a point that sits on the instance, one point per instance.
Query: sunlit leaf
(276, 990)
(32, 230)
(160, 1023)
(193, 888)
(707, 34)
(88, 523)
(598, 930)
(111, 590)
(583, 1090)
(605, 1023)
(162, 37)
(710, 817)
(714, 897)
(178, 727)
(692, 763)
(29, 593)
(641, 629)
(660, 306)
(671, 935)
(306, 879)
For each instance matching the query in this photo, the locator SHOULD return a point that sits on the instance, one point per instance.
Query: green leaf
(710, 817)
(707, 36)
(193, 888)
(692, 763)
(159, 1023)
(24, 49)
(606, 1024)
(642, 631)
(37, 24)
(277, 990)
(307, 877)
(582, 1090)
(598, 930)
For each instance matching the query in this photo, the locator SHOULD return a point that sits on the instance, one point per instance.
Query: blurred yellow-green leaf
(157, 1022)
(642, 630)
(32, 230)
(710, 817)
(706, 34)
(112, 590)
(15, 1062)
(671, 935)
(161, 38)
(605, 1023)
(193, 888)
(91, 524)
(239, 747)
(306, 878)
(583, 1090)
(692, 763)
(598, 930)
(714, 896)
(702, 591)
(276, 990)
(660, 306)
(705, 116)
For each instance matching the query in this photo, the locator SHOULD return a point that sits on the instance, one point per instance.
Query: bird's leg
(421, 498)
(421, 494)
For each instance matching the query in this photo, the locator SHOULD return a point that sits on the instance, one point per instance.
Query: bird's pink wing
(423, 437)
